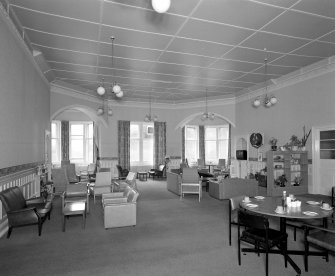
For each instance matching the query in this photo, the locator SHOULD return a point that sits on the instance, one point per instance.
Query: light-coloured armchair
(190, 183)
(120, 208)
(102, 184)
(129, 181)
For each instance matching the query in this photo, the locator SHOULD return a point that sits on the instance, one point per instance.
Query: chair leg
(40, 228)
(267, 261)
(9, 232)
(295, 233)
(306, 255)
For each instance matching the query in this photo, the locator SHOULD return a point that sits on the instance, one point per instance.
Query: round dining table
(311, 208)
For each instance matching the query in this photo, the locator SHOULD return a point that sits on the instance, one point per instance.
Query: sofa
(231, 187)
(173, 181)
(120, 208)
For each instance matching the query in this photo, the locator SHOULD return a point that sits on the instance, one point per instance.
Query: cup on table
(325, 205)
(246, 199)
(280, 209)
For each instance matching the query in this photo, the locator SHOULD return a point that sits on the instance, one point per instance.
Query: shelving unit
(293, 165)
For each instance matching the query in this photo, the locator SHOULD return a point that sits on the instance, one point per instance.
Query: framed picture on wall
(260, 157)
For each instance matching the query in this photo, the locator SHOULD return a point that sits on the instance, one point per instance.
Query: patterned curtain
(65, 140)
(183, 144)
(229, 146)
(96, 154)
(202, 143)
(124, 144)
(159, 143)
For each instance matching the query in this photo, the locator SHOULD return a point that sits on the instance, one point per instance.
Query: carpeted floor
(172, 237)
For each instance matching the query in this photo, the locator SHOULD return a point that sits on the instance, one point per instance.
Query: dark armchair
(22, 212)
(122, 172)
(157, 172)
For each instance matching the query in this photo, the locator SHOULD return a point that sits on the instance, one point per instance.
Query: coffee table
(72, 209)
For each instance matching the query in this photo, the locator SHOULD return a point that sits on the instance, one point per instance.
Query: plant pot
(303, 148)
(274, 148)
(294, 148)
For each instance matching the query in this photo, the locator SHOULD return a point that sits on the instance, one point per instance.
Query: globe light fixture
(161, 6)
(149, 117)
(207, 115)
(101, 89)
(268, 101)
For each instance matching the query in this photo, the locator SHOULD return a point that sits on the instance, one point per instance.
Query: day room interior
(248, 68)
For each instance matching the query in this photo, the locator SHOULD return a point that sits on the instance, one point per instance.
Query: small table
(267, 207)
(142, 176)
(74, 208)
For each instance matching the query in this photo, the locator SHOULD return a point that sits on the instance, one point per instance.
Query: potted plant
(273, 142)
(304, 138)
(295, 142)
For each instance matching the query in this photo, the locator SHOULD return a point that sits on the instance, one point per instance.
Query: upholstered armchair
(129, 181)
(120, 209)
(157, 172)
(72, 176)
(59, 179)
(22, 212)
(122, 172)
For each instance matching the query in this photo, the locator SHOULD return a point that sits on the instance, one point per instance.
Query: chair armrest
(22, 216)
(119, 200)
(308, 226)
(35, 200)
(112, 195)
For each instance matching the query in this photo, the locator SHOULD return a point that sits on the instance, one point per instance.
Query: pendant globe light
(207, 115)
(161, 6)
(116, 88)
(101, 89)
(149, 117)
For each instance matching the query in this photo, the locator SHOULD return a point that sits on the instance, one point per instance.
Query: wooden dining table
(310, 209)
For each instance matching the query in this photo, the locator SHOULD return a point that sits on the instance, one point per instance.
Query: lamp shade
(273, 100)
(161, 6)
(120, 94)
(101, 90)
(110, 112)
(100, 111)
(116, 89)
(257, 103)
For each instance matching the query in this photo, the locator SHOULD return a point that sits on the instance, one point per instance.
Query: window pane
(191, 133)
(210, 147)
(223, 149)
(134, 131)
(148, 150)
(54, 151)
(210, 133)
(77, 146)
(90, 151)
(223, 133)
(191, 152)
(90, 131)
(54, 133)
(134, 150)
(77, 129)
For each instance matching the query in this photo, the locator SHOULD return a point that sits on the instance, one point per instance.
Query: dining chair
(234, 204)
(321, 237)
(258, 233)
(201, 163)
(300, 223)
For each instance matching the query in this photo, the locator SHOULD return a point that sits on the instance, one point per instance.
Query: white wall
(24, 104)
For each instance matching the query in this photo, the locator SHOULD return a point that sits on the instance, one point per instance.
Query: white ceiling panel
(197, 44)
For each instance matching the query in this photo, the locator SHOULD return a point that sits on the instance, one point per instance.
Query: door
(323, 159)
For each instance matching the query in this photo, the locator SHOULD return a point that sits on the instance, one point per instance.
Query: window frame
(190, 160)
(218, 140)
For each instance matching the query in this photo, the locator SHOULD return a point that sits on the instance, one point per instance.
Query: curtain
(124, 144)
(229, 146)
(96, 140)
(183, 144)
(202, 143)
(159, 143)
(65, 140)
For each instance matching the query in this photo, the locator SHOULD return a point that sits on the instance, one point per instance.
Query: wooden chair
(221, 166)
(258, 233)
(103, 183)
(190, 183)
(321, 237)
(157, 172)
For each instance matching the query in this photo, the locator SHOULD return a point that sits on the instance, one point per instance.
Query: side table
(142, 176)
(74, 208)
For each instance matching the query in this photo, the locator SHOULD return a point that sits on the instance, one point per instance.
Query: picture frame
(260, 157)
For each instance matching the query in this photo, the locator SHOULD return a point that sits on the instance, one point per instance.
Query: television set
(241, 154)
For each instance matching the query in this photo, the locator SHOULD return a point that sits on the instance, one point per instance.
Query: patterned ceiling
(216, 45)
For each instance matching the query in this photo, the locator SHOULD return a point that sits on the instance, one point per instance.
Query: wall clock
(256, 140)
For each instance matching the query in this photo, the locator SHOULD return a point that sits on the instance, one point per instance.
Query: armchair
(120, 210)
(71, 173)
(89, 173)
(59, 179)
(190, 183)
(129, 181)
(102, 183)
(157, 172)
(122, 172)
(22, 212)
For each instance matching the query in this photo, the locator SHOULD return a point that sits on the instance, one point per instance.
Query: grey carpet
(172, 237)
